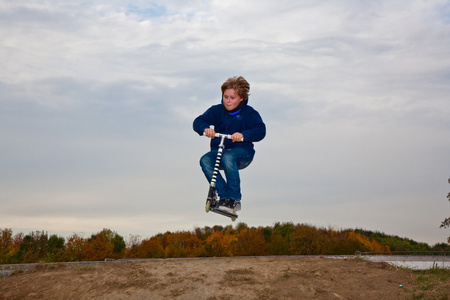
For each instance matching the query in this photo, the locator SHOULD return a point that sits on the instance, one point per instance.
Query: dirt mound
(222, 278)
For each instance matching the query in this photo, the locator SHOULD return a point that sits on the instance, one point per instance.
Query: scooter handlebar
(227, 136)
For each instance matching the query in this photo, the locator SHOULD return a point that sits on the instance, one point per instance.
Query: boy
(233, 116)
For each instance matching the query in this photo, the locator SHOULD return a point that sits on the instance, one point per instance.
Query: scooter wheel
(208, 204)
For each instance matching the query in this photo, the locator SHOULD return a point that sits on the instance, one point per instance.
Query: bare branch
(445, 223)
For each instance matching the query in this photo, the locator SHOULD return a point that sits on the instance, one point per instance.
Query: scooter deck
(224, 213)
(219, 211)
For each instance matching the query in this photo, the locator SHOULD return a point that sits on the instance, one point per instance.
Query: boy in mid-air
(235, 117)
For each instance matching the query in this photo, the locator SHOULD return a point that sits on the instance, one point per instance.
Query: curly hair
(239, 84)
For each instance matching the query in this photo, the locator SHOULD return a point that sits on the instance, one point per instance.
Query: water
(415, 262)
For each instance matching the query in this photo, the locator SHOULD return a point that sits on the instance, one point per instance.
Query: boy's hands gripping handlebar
(235, 137)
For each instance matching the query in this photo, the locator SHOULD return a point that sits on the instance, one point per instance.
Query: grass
(433, 281)
(429, 278)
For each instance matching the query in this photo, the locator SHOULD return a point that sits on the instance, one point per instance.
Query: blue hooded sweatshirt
(246, 120)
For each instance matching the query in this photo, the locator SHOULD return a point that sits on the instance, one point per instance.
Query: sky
(97, 100)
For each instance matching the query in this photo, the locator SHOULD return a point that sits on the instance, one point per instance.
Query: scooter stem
(219, 157)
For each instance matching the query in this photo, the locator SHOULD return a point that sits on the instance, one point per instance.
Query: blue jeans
(232, 161)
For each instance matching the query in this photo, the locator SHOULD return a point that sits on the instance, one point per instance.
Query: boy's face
(231, 99)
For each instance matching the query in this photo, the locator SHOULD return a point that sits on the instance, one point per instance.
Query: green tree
(240, 226)
(280, 239)
(118, 243)
(441, 247)
(34, 247)
(55, 248)
(115, 239)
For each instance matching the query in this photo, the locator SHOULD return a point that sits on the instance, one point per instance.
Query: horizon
(67, 234)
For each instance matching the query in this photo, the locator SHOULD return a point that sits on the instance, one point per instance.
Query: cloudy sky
(97, 100)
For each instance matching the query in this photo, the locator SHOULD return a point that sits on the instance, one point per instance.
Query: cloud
(98, 101)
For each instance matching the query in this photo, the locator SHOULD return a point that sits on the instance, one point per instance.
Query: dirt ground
(223, 278)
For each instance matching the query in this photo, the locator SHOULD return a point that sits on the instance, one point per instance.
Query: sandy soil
(222, 278)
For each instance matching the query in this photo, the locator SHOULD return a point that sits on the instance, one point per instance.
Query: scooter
(211, 200)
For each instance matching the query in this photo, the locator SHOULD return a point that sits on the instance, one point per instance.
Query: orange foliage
(9, 246)
(368, 245)
(191, 243)
(218, 241)
(151, 248)
(250, 242)
(98, 248)
(218, 244)
(307, 240)
(75, 248)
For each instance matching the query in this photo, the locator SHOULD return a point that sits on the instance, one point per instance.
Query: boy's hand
(237, 137)
(209, 132)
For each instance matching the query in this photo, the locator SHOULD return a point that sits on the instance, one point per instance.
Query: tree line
(217, 241)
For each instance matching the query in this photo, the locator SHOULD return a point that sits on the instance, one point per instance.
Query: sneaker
(237, 205)
(221, 202)
(230, 205)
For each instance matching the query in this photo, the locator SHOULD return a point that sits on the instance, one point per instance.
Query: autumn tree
(150, 248)
(203, 233)
(182, 244)
(337, 242)
(240, 226)
(365, 244)
(75, 248)
(218, 243)
(307, 240)
(174, 246)
(9, 246)
(105, 244)
(249, 242)
(192, 244)
(115, 239)
(5, 245)
(132, 247)
(98, 248)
